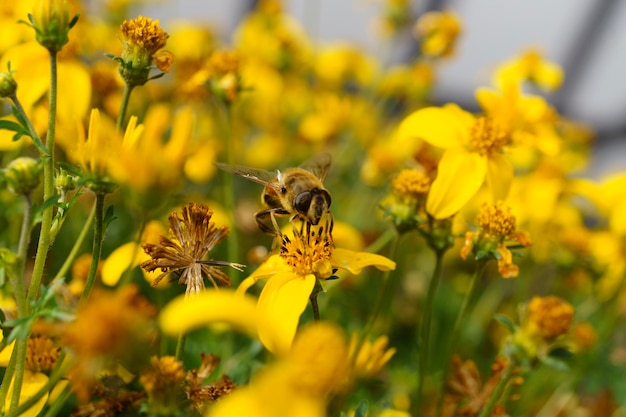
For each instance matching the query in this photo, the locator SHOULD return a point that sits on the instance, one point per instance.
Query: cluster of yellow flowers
(116, 130)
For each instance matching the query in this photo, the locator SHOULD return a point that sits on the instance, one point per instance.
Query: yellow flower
(496, 230)
(299, 384)
(473, 155)
(32, 383)
(371, 356)
(142, 38)
(549, 317)
(530, 66)
(438, 32)
(291, 275)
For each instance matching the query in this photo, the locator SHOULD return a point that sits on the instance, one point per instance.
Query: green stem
(48, 186)
(97, 244)
(17, 281)
(386, 292)
(424, 336)
(21, 345)
(56, 375)
(77, 244)
(180, 346)
(6, 380)
(314, 305)
(43, 151)
(124, 106)
(382, 241)
(456, 330)
(496, 395)
(59, 402)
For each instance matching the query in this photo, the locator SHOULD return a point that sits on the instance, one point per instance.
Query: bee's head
(312, 204)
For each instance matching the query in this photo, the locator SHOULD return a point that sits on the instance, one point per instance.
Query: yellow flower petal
(499, 176)
(271, 266)
(33, 382)
(356, 261)
(210, 307)
(74, 90)
(122, 258)
(617, 219)
(5, 354)
(281, 303)
(460, 175)
(436, 125)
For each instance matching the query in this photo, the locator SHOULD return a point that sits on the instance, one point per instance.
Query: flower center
(309, 251)
(145, 33)
(486, 137)
(497, 219)
(410, 182)
(42, 354)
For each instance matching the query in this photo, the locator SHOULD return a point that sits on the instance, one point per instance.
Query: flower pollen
(411, 182)
(145, 33)
(309, 253)
(486, 137)
(551, 316)
(497, 219)
(42, 354)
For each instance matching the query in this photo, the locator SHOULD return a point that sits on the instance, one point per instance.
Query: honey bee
(298, 191)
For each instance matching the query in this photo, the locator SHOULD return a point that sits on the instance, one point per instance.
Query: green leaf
(74, 20)
(505, 321)
(109, 216)
(10, 125)
(361, 409)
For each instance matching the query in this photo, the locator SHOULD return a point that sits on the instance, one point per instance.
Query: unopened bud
(22, 175)
(51, 20)
(8, 86)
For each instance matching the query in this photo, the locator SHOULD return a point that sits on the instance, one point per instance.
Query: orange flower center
(144, 33)
(310, 250)
(486, 137)
(497, 219)
(410, 182)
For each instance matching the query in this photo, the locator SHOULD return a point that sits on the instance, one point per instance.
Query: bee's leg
(262, 220)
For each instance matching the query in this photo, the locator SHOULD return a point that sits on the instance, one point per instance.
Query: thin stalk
(77, 244)
(56, 406)
(496, 395)
(180, 346)
(6, 380)
(21, 345)
(456, 330)
(382, 241)
(97, 244)
(314, 305)
(124, 106)
(385, 293)
(48, 186)
(17, 281)
(424, 336)
(43, 150)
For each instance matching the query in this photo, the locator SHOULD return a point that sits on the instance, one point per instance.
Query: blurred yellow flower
(438, 33)
(530, 66)
(299, 384)
(473, 155)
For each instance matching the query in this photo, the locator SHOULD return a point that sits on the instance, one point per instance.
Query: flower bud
(22, 175)
(8, 86)
(64, 181)
(51, 20)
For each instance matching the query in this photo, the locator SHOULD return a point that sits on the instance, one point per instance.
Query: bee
(298, 191)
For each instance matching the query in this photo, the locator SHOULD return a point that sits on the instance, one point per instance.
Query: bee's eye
(303, 202)
(326, 197)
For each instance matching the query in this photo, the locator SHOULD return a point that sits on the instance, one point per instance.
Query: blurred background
(586, 37)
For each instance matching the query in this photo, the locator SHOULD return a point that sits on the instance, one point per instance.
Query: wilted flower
(192, 236)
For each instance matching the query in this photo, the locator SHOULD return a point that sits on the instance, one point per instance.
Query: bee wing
(318, 165)
(260, 176)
